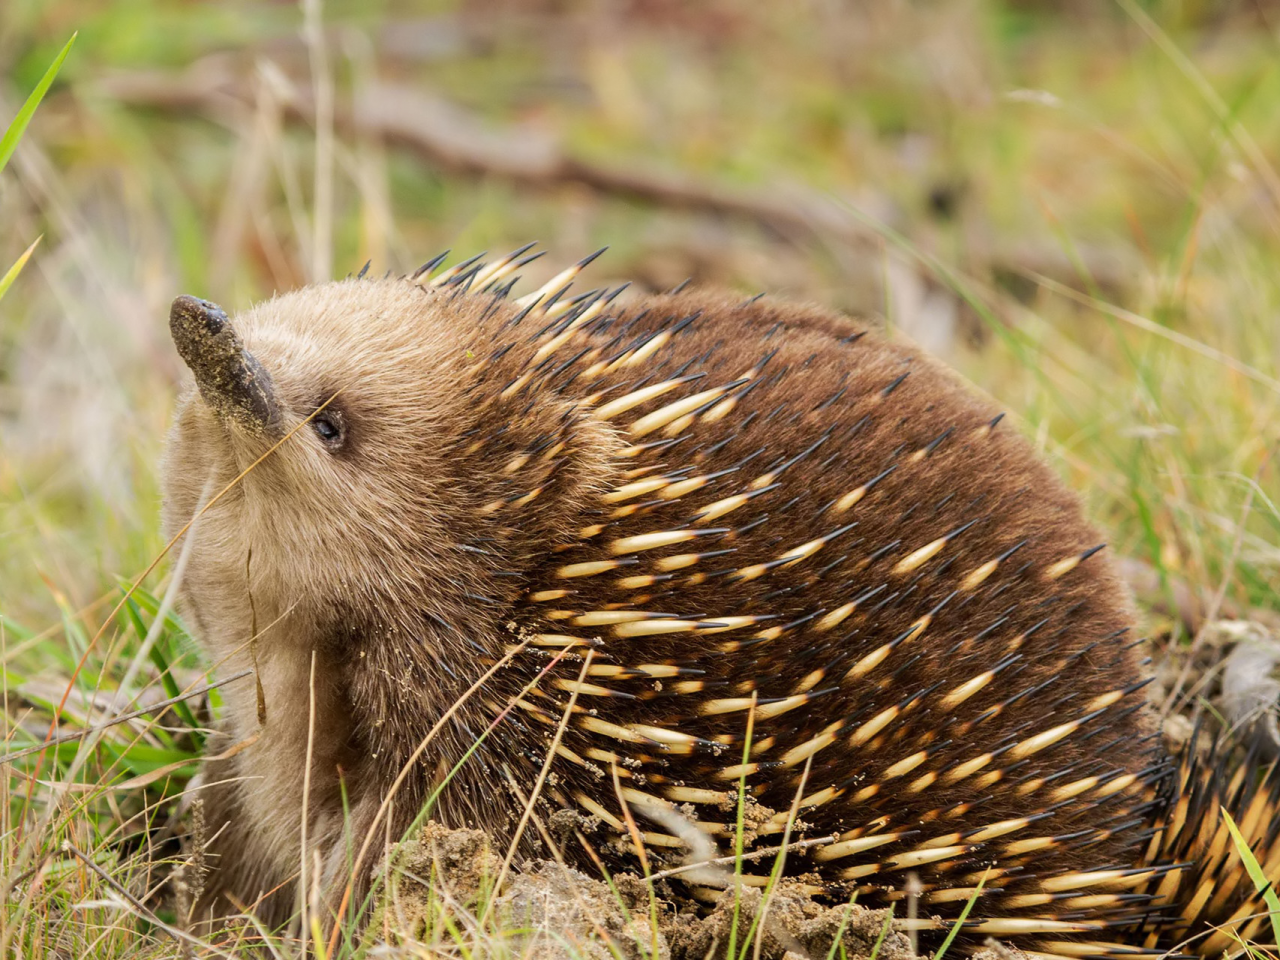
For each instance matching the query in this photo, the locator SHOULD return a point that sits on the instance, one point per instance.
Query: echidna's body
(694, 516)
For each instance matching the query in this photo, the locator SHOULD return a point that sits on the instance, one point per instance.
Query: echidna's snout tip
(230, 378)
(188, 314)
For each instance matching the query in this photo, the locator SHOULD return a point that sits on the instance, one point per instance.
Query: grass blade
(9, 142)
(1265, 887)
(964, 914)
(164, 669)
(7, 280)
(844, 922)
(884, 932)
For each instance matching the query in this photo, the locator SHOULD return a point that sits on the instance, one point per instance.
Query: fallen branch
(450, 137)
(447, 136)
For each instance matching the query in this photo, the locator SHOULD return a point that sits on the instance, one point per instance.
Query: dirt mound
(790, 925)
(441, 886)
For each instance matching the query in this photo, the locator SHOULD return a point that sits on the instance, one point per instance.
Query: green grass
(9, 142)
(1264, 885)
(1084, 206)
(13, 134)
(11, 274)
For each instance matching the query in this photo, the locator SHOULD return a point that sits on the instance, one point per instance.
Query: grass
(9, 142)
(13, 133)
(1078, 210)
(1261, 882)
(12, 273)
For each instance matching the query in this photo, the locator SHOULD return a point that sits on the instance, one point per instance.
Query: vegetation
(1077, 204)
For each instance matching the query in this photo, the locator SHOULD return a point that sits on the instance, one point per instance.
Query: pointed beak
(231, 380)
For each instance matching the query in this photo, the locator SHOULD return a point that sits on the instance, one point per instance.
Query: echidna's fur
(753, 516)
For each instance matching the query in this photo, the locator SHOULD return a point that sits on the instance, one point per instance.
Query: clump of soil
(570, 915)
(462, 859)
(438, 865)
(546, 911)
(549, 911)
(792, 926)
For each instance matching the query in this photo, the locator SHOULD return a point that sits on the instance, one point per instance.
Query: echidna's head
(349, 408)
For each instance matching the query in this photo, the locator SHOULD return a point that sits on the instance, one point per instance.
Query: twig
(571, 884)
(538, 784)
(306, 794)
(753, 855)
(181, 936)
(123, 718)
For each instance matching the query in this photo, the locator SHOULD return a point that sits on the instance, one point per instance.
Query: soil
(550, 911)
(793, 926)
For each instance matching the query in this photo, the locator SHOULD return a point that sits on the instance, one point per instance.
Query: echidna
(701, 544)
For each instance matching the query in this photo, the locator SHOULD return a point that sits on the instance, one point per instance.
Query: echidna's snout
(232, 381)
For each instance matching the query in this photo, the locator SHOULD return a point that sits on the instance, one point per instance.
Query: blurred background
(1075, 203)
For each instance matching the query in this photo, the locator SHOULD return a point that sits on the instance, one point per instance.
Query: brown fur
(409, 561)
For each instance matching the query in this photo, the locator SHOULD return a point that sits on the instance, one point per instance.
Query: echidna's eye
(328, 427)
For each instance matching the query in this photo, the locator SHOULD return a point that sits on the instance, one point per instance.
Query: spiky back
(1214, 904)
(725, 546)
(820, 537)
